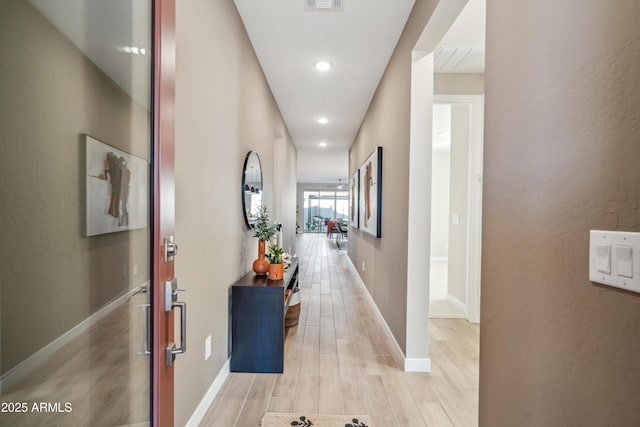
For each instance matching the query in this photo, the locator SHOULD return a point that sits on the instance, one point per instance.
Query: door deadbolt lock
(170, 249)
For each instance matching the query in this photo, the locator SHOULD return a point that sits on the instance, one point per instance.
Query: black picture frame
(370, 206)
(354, 199)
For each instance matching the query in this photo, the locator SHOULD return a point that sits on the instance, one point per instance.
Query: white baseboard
(208, 397)
(18, 373)
(409, 365)
(457, 303)
(417, 365)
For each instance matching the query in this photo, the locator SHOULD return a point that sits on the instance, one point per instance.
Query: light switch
(603, 258)
(624, 258)
(614, 259)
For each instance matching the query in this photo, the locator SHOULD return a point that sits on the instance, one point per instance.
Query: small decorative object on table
(276, 270)
(264, 231)
(286, 260)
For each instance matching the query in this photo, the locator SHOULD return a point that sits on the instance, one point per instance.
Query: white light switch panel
(603, 258)
(614, 259)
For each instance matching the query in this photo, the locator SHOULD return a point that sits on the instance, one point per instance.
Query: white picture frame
(117, 189)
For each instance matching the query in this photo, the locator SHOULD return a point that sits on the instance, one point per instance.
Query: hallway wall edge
(207, 399)
(408, 365)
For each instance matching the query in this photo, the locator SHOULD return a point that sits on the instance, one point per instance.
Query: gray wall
(52, 276)
(386, 124)
(561, 157)
(224, 108)
(458, 84)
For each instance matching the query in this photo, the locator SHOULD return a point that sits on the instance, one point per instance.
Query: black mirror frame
(243, 183)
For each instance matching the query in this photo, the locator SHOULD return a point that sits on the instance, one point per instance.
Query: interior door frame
(474, 199)
(163, 205)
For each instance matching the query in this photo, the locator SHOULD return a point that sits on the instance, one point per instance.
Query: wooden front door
(86, 209)
(164, 248)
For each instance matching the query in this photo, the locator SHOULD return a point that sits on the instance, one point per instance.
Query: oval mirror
(251, 188)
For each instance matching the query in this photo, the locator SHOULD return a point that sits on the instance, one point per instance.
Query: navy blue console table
(258, 307)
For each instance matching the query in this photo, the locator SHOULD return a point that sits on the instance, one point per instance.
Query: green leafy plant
(274, 255)
(264, 230)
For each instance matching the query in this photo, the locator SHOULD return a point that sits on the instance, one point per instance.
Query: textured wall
(386, 124)
(561, 157)
(52, 276)
(224, 108)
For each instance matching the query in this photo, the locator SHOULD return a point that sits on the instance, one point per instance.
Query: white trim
(409, 365)
(419, 207)
(207, 399)
(417, 365)
(474, 200)
(18, 373)
(457, 303)
(439, 258)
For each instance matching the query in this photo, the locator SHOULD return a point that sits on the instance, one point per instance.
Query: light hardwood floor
(337, 360)
(101, 373)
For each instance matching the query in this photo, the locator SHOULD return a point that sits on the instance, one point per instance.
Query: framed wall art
(371, 194)
(354, 200)
(117, 189)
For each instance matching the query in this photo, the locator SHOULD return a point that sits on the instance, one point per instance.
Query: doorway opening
(320, 207)
(456, 198)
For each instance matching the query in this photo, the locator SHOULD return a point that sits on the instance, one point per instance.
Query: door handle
(146, 308)
(171, 292)
(172, 350)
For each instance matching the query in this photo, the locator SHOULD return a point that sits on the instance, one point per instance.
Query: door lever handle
(143, 289)
(171, 292)
(172, 350)
(146, 333)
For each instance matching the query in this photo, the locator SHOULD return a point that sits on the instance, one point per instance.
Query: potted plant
(264, 231)
(276, 270)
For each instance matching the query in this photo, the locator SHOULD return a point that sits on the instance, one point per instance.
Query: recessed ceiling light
(322, 65)
(134, 50)
(323, 144)
(323, 120)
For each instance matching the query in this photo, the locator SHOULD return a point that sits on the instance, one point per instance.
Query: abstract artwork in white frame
(117, 189)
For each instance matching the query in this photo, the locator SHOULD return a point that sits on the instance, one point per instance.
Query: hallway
(337, 360)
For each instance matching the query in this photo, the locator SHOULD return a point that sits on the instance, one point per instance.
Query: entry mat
(280, 419)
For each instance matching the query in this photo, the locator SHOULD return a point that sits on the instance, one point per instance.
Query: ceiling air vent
(324, 5)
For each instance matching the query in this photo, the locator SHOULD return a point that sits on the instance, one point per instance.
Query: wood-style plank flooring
(102, 374)
(337, 360)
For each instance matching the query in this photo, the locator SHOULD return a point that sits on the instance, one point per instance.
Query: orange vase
(276, 272)
(261, 265)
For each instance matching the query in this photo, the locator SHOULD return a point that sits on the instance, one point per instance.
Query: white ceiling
(462, 47)
(287, 39)
(358, 41)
